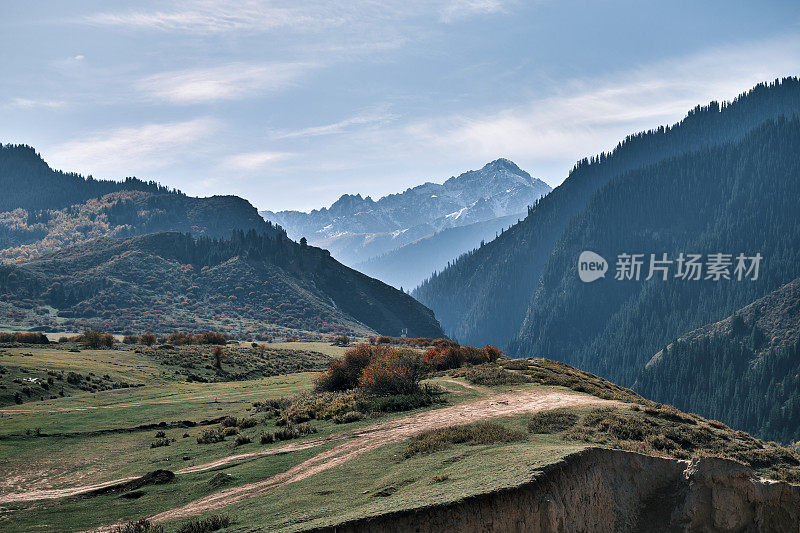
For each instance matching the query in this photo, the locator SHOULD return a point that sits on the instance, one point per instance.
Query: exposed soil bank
(602, 490)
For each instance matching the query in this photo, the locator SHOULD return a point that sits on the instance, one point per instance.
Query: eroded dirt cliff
(601, 490)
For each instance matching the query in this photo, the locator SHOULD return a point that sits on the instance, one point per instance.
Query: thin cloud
(459, 9)
(367, 119)
(252, 161)
(215, 16)
(27, 103)
(206, 16)
(125, 151)
(221, 83)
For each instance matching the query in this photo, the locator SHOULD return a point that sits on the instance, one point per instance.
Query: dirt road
(504, 404)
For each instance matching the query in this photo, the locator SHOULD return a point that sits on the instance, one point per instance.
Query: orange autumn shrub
(447, 356)
(396, 371)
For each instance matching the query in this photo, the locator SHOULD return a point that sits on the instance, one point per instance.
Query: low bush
(272, 407)
(96, 339)
(267, 438)
(158, 443)
(230, 431)
(139, 526)
(551, 421)
(209, 523)
(379, 370)
(241, 439)
(210, 436)
(473, 434)
(248, 422)
(348, 417)
(449, 356)
(229, 422)
(294, 432)
(148, 339)
(24, 338)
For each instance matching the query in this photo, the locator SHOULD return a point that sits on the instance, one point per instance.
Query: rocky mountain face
(356, 229)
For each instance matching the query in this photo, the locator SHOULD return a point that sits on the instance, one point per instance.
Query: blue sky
(291, 104)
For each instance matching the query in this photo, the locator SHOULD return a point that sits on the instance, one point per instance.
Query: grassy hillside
(324, 470)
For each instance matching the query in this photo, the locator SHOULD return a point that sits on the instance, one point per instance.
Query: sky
(292, 104)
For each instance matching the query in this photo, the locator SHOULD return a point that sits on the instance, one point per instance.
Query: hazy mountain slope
(740, 197)
(253, 284)
(412, 263)
(743, 370)
(485, 295)
(355, 229)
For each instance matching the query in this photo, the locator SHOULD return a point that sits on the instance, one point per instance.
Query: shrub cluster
(95, 339)
(208, 337)
(380, 370)
(24, 337)
(452, 355)
(140, 526)
(490, 375)
(416, 342)
(210, 436)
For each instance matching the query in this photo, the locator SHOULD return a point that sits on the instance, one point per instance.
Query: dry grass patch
(473, 434)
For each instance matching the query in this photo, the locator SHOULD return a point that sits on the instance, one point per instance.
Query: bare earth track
(354, 444)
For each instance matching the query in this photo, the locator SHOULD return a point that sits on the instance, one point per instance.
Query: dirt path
(505, 404)
(353, 444)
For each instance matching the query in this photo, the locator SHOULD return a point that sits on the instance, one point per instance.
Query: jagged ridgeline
(249, 285)
(724, 177)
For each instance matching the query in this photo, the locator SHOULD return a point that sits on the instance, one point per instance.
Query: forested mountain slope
(743, 370)
(253, 285)
(29, 183)
(740, 197)
(485, 295)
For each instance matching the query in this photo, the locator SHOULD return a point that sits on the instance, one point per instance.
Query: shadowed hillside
(253, 284)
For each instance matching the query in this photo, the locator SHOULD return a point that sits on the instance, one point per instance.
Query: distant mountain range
(136, 256)
(358, 230)
(725, 179)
